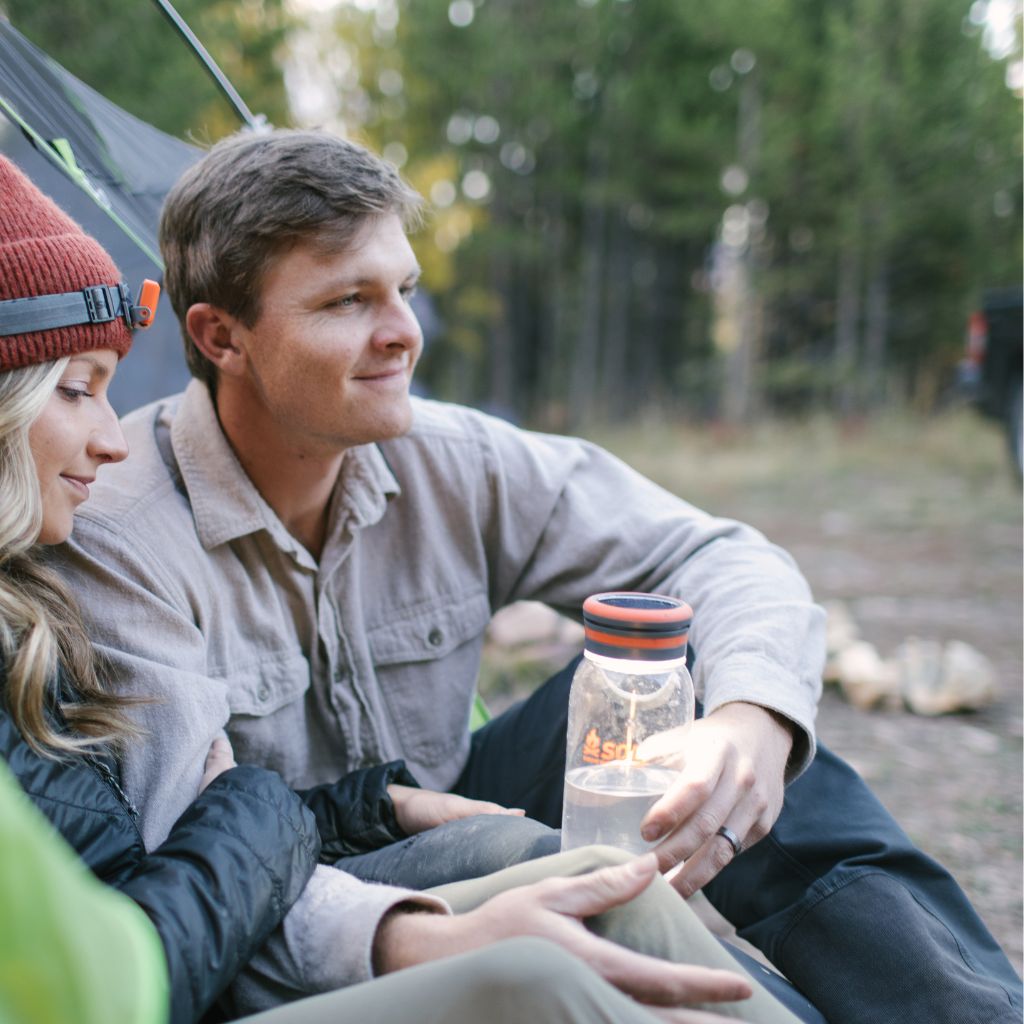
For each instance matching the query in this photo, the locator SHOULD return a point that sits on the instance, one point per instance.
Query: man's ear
(215, 334)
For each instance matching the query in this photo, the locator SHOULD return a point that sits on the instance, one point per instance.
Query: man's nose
(399, 325)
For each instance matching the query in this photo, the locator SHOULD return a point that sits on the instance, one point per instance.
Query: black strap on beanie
(98, 304)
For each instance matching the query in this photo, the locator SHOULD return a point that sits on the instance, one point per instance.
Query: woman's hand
(417, 810)
(555, 909)
(220, 758)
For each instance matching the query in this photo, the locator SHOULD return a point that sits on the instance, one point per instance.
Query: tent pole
(253, 121)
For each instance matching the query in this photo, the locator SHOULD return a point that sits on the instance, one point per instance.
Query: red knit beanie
(43, 251)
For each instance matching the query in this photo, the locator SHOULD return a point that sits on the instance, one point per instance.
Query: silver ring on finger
(732, 839)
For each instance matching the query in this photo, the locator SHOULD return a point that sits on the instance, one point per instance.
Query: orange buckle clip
(149, 295)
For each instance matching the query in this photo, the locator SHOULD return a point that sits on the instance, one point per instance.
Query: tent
(108, 170)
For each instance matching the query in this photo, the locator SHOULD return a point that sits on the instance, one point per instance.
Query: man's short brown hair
(256, 195)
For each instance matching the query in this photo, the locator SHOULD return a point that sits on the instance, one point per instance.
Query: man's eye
(408, 292)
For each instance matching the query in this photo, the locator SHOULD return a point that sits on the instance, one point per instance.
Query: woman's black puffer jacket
(231, 868)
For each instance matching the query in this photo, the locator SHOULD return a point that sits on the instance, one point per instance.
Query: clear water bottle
(631, 685)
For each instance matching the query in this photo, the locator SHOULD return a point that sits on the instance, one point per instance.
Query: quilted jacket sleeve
(230, 869)
(355, 814)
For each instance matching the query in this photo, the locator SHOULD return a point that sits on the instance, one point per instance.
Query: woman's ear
(214, 333)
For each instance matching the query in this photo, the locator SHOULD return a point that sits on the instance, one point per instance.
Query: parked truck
(990, 371)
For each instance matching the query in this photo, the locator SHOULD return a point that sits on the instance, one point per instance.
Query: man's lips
(382, 375)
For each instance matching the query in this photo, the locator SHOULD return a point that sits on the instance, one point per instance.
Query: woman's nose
(107, 442)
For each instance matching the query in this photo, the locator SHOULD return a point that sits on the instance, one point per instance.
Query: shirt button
(263, 694)
(435, 637)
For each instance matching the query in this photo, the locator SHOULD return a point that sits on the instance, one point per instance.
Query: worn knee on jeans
(497, 841)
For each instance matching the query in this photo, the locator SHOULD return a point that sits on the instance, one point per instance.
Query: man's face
(331, 356)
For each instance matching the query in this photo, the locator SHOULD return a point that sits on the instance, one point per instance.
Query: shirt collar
(226, 504)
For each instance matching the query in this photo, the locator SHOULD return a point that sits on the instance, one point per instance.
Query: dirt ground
(916, 528)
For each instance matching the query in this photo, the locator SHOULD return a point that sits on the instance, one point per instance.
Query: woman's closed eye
(73, 392)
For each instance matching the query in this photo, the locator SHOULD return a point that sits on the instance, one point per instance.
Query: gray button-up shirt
(198, 596)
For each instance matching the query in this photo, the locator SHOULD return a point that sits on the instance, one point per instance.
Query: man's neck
(293, 480)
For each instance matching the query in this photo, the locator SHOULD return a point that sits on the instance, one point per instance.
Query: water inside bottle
(605, 803)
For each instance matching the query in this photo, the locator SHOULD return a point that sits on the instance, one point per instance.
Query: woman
(245, 848)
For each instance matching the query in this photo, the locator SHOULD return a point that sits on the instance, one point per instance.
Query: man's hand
(220, 758)
(733, 766)
(417, 810)
(554, 909)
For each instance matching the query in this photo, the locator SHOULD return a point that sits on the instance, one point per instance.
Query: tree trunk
(876, 330)
(553, 285)
(502, 391)
(847, 323)
(584, 371)
(615, 370)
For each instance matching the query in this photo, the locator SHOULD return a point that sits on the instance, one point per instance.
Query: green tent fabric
(71, 948)
(479, 713)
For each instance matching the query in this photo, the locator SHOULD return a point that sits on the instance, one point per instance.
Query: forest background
(640, 207)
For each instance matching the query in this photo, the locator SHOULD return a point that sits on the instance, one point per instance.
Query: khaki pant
(528, 979)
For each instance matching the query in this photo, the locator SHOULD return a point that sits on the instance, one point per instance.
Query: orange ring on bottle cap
(636, 625)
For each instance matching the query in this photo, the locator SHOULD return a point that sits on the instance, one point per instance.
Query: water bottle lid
(641, 627)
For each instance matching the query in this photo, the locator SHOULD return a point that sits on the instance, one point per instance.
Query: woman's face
(76, 433)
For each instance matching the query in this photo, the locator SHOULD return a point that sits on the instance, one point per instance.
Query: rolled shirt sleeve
(325, 942)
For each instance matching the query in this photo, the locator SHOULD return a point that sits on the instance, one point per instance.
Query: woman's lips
(79, 484)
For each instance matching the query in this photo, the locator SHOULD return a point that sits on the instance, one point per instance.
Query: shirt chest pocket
(265, 687)
(268, 714)
(427, 659)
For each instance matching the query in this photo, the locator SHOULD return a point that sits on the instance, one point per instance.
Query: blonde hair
(41, 629)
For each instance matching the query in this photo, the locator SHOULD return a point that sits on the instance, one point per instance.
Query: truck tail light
(977, 338)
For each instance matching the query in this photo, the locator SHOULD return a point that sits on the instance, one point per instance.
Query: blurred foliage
(638, 207)
(857, 164)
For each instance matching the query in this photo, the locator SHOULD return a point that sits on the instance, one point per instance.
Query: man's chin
(397, 423)
(401, 428)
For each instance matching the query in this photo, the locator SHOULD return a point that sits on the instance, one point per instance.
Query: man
(245, 851)
(305, 554)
